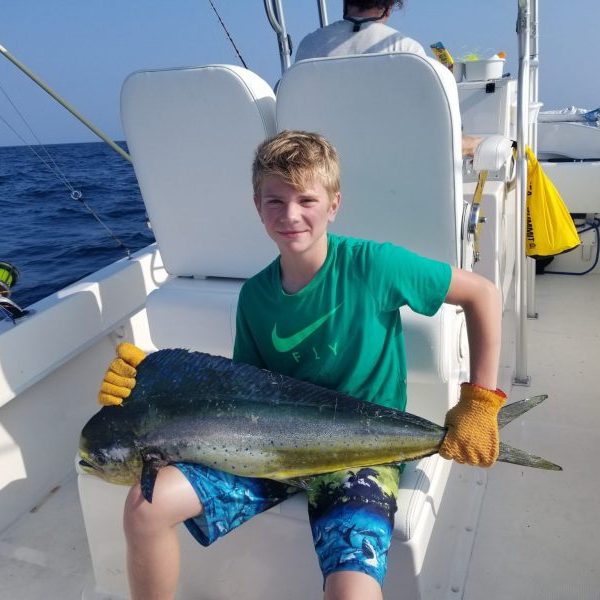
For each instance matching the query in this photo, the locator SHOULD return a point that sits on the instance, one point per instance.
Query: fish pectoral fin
(152, 461)
(299, 482)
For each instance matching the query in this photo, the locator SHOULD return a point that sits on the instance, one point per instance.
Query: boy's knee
(144, 518)
(139, 516)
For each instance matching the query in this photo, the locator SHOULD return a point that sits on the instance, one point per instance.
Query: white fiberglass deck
(538, 533)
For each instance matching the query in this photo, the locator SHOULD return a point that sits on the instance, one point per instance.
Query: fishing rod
(64, 103)
(227, 33)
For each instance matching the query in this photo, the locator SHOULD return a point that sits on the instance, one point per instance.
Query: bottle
(440, 52)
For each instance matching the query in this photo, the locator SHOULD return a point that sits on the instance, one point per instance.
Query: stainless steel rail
(523, 29)
(274, 10)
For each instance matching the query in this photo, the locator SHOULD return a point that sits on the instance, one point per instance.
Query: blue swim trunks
(351, 512)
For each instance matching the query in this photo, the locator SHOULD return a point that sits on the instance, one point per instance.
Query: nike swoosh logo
(285, 344)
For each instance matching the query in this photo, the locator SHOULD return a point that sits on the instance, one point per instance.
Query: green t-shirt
(343, 330)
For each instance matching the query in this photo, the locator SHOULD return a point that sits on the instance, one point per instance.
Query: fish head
(107, 448)
(115, 464)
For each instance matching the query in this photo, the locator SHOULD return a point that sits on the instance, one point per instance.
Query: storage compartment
(485, 107)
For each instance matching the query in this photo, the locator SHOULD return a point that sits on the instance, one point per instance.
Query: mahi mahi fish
(194, 407)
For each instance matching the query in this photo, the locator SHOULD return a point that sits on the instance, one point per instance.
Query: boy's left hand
(472, 424)
(119, 378)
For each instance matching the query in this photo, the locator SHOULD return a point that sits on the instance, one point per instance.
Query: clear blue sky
(85, 48)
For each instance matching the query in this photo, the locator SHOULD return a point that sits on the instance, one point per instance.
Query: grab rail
(274, 10)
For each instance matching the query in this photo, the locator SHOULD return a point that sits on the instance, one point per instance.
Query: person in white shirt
(363, 30)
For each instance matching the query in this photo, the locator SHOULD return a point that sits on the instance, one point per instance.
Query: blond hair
(299, 158)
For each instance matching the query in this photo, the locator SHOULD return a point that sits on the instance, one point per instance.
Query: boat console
(488, 110)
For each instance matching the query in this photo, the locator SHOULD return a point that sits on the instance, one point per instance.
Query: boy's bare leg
(352, 585)
(151, 533)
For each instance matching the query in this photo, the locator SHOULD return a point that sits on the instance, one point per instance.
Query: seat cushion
(194, 314)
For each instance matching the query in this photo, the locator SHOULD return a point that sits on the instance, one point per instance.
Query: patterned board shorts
(351, 512)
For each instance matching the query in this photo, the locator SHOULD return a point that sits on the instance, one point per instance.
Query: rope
(57, 172)
(227, 33)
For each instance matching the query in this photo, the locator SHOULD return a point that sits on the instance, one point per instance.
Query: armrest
(492, 153)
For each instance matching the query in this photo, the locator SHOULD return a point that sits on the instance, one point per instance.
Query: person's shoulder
(346, 243)
(356, 248)
(373, 254)
(407, 44)
(397, 41)
(410, 45)
(352, 243)
(310, 45)
(260, 280)
(324, 31)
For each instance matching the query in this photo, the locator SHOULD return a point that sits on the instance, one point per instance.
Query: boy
(326, 310)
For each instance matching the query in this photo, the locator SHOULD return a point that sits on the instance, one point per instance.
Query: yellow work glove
(472, 424)
(119, 378)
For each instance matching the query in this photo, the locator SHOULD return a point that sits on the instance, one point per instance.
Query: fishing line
(39, 156)
(57, 172)
(227, 33)
(54, 167)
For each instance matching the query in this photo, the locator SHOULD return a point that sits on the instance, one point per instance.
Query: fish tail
(516, 456)
(511, 411)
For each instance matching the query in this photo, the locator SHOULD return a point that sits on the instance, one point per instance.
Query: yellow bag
(550, 228)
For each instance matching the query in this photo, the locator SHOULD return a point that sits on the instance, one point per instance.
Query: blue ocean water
(51, 238)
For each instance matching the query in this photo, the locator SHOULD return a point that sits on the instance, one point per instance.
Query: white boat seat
(192, 135)
(395, 121)
(194, 314)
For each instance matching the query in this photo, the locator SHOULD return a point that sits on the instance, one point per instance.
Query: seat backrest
(394, 119)
(192, 134)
